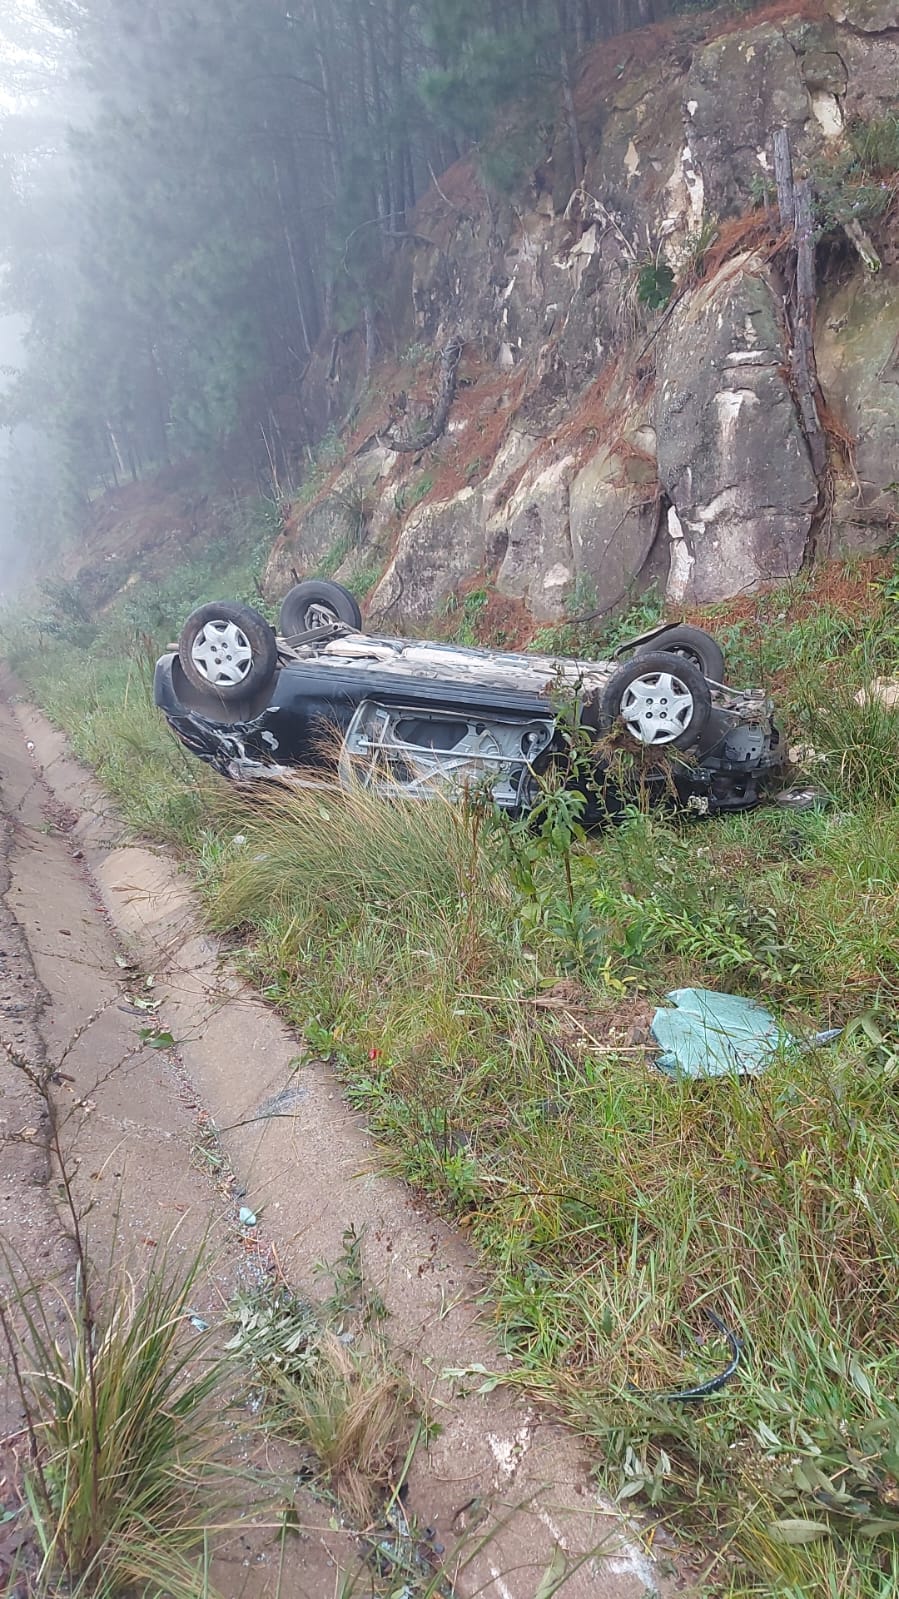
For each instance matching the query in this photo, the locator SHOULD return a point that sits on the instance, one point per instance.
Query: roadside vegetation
(125, 1484)
(485, 991)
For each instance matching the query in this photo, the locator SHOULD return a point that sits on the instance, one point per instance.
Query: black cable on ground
(714, 1383)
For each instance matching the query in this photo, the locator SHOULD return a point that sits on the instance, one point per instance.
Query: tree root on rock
(450, 356)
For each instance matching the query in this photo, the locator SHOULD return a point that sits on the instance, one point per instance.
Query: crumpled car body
(413, 719)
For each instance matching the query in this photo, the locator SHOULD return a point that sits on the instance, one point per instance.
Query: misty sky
(11, 329)
(23, 29)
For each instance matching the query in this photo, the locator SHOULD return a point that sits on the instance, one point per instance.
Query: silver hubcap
(656, 708)
(222, 653)
(319, 616)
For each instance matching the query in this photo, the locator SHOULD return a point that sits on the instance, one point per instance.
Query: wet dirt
(502, 1484)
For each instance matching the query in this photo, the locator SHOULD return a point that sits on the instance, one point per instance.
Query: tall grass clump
(403, 895)
(331, 1388)
(854, 741)
(121, 1485)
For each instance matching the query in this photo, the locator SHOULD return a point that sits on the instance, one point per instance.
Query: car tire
(661, 699)
(691, 644)
(317, 603)
(227, 651)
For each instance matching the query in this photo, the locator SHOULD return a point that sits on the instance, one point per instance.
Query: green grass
(122, 1483)
(482, 993)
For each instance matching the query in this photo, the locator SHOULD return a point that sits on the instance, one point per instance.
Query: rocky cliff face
(596, 444)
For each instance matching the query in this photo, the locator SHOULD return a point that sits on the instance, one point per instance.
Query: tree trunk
(332, 115)
(288, 242)
(401, 196)
(804, 330)
(119, 468)
(382, 153)
(577, 149)
(160, 403)
(370, 336)
(783, 176)
(795, 206)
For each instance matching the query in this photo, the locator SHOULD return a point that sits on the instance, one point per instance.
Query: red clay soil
(486, 408)
(606, 64)
(457, 192)
(752, 231)
(835, 586)
(778, 11)
(503, 623)
(143, 530)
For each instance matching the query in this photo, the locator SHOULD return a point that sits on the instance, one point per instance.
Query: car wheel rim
(222, 654)
(319, 616)
(656, 708)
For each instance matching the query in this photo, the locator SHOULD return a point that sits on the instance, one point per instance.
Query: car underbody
(414, 719)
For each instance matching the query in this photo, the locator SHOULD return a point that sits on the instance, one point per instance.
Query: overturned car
(321, 700)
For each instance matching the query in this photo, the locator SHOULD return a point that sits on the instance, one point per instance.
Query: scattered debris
(246, 1217)
(720, 1035)
(803, 799)
(884, 689)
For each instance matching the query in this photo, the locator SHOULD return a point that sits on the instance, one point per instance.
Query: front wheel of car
(692, 644)
(318, 603)
(227, 650)
(660, 699)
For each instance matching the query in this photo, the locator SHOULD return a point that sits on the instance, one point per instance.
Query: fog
(200, 200)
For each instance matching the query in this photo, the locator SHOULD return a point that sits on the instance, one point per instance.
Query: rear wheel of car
(317, 603)
(691, 644)
(227, 650)
(660, 699)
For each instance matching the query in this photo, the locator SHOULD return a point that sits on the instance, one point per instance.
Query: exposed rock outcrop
(732, 456)
(633, 443)
(858, 362)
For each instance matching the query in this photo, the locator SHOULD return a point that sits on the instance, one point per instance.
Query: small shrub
(473, 607)
(409, 495)
(859, 182)
(762, 188)
(332, 1391)
(655, 284)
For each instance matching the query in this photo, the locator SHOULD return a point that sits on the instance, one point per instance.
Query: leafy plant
(697, 245)
(655, 283)
(857, 184)
(762, 188)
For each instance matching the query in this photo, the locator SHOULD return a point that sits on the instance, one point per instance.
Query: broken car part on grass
(708, 1034)
(322, 701)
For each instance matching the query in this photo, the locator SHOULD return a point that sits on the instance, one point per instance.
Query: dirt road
(87, 920)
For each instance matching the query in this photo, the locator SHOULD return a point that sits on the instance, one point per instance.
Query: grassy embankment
(484, 994)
